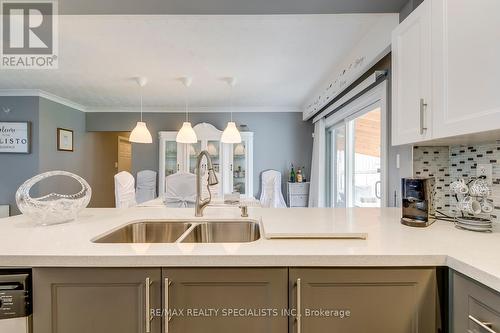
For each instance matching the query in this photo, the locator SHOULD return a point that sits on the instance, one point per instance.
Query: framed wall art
(15, 137)
(64, 139)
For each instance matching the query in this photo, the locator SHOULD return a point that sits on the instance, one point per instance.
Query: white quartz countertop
(23, 244)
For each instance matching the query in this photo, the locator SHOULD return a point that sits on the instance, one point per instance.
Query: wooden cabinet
(233, 163)
(363, 300)
(445, 71)
(411, 77)
(100, 300)
(475, 308)
(231, 299)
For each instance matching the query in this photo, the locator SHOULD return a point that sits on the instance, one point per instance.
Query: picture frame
(15, 137)
(65, 140)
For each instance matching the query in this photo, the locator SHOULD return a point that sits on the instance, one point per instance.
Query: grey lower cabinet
(475, 308)
(242, 300)
(363, 300)
(96, 300)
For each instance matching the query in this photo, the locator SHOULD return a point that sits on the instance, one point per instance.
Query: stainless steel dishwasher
(15, 301)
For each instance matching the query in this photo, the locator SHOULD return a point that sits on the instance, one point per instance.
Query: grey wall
(45, 117)
(408, 8)
(279, 138)
(51, 116)
(16, 168)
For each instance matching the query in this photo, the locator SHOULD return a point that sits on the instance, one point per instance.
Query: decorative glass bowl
(53, 208)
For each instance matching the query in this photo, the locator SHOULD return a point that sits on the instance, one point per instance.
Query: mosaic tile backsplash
(448, 164)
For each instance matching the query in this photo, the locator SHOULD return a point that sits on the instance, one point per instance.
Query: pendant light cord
(231, 102)
(186, 102)
(141, 104)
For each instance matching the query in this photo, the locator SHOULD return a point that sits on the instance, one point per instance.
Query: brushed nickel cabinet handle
(166, 316)
(147, 314)
(485, 326)
(423, 107)
(299, 306)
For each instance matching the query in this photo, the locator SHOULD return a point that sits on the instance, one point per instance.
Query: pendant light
(140, 134)
(231, 133)
(186, 134)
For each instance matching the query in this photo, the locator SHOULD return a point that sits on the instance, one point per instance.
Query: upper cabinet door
(411, 77)
(466, 66)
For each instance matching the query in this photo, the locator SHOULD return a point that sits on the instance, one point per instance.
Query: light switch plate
(485, 170)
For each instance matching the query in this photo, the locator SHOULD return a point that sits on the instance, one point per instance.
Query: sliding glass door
(355, 154)
(336, 169)
(366, 170)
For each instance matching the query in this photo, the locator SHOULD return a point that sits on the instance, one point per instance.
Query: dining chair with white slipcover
(271, 196)
(124, 190)
(180, 190)
(146, 186)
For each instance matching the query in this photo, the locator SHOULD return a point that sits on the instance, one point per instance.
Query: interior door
(124, 154)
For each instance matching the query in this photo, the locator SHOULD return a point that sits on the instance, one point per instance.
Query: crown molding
(200, 109)
(42, 94)
(252, 109)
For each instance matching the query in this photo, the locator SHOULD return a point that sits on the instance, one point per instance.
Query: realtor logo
(29, 34)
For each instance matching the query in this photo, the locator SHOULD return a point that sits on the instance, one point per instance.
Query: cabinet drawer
(475, 307)
(299, 200)
(298, 188)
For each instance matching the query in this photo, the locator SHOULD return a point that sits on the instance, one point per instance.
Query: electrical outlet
(485, 170)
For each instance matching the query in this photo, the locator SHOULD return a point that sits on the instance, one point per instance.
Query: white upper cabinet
(411, 84)
(446, 71)
(233, 164)
(466, 66)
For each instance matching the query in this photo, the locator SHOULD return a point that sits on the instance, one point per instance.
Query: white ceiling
(278, 60)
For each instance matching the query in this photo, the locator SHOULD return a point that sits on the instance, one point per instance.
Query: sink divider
(187, 232)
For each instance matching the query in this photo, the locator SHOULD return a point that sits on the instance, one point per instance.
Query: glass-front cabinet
(240, 155)
(233, 163)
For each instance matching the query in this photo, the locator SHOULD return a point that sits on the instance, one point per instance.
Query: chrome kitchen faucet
(212, 180)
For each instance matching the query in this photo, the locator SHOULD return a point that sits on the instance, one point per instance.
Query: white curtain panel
(317, 189)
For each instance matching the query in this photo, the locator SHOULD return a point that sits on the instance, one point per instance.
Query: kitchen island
(22, 244)
(389, 281)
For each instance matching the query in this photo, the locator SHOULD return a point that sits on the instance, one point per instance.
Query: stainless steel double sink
(183, 231)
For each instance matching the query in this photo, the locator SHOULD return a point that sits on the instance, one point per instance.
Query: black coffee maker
(418, 201)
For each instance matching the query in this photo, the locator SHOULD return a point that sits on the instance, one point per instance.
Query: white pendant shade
(231, 134)
(186, 134)
(140, 134)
